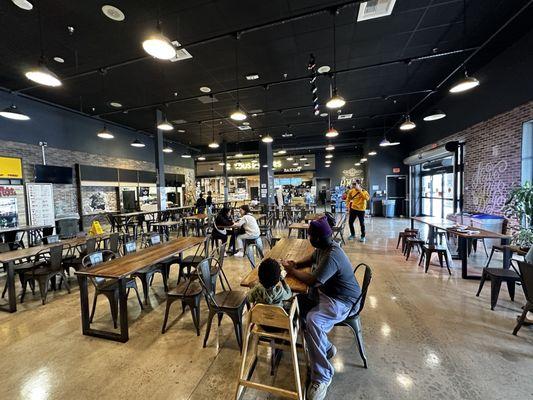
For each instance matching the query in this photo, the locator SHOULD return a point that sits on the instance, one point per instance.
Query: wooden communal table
(285, 249)
(8, 260)
(301, 228)
(34, 232)
(464, 239)
(312, 217)
(121, 268)
(435, 224)
(198, 218)
(163, 227)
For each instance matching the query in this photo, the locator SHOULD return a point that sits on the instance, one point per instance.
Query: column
(266, 174)
(225, 169)
(160, 165)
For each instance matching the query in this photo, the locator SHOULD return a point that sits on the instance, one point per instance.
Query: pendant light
(467, 83)
(186, 155)
(158, 45)
(238, 114)
(435, 115)
(168, 149)
(331, 132)
(105, 134)
(41, 74)
(336, 101)
(330, 147)
(407, 125)
(372, 153)
(165, 125)
(267, 139)
(12, 112)
(137, 143)
(213, 144)
(384, 142)
(281, 152)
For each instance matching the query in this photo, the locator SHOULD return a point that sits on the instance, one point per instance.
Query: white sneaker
(317, 391)
(239, 254)
(363, 239)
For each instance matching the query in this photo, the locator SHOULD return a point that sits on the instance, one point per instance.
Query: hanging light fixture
(167, 149)
(281, 152)
(330, 147)
(12, 112)
(41, 74)
(372, 153)
(165, 125)
(185, 155)
(407, 125)
(329, 155)
(435, 115)
(158, 45)
(384, 143)
(238, 114)
(137, 143)
(332, 132)
(105, 134)
(267, 139)
(394, 144)
(213, 144)
(363, 160)
(336, 101)
(239, 155)
(467, 83)
(201, 158)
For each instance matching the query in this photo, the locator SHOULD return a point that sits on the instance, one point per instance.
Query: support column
(225, 169)
(266, 174)
(160, 165)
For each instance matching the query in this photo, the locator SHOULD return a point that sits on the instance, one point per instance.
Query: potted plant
(519, 209)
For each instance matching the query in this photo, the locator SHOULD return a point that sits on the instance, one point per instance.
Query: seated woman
(249, 229)
(222, 221)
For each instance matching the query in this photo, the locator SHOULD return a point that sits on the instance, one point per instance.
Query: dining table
(34, 232)
(300, 227)
(285, 249)
(163, 227)
(198, 219)
(119, 269)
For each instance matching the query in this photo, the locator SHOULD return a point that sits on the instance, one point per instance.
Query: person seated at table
(249, 229)
(272, 288)
(200, 204)
(222, 221)
(334, 294)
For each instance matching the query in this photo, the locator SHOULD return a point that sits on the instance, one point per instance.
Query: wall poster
(40, 199)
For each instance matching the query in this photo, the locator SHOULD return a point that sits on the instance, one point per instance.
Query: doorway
(396, 187)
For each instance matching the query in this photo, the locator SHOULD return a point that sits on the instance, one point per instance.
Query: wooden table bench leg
(11, 292)
(84, 304)
(123, 310)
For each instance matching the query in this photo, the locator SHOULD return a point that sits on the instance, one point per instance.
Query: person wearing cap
(334, 296)
(356, 200)
(271, 289)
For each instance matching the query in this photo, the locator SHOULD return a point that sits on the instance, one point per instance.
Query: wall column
(225, 169)
(266, 173)
(160, 165)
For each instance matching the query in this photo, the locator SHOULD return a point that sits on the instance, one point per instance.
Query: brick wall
(65, 196)
(492, 158)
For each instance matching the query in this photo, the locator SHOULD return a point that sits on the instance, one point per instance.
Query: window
(527, 152)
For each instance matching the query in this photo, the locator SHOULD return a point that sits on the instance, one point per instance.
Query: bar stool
(405, 234)
(496, 277)
(412, 243)
(427, 252)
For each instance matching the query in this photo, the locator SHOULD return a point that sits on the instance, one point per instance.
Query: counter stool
(427, 252)
(496, 277)
(405, 234)
(411, 243)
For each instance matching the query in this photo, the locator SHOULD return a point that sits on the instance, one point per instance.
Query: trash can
(389, 207)
(376, 208)
(493, 223)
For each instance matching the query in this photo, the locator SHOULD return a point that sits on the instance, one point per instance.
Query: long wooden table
(121, 268)
(34, 232)
(301, 228)
(285, 249)
(198, 218)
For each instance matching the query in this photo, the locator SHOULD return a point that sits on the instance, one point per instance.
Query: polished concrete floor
(427, 337)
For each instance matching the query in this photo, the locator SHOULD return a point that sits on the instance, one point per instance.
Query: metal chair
(190, 262)
(113, 242)
(526, 273)
(338, 229)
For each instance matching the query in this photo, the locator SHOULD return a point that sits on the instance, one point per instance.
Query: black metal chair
(229, 302)
(71, 261)
(113, 242)
(338, 230)
(43, 273)
(427, 252)
(354, 321)
(190, 262)
(108, 287)
(497, 276)
(146, 274)
(526, 273)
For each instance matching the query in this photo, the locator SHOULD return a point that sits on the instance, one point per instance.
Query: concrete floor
(427, 337)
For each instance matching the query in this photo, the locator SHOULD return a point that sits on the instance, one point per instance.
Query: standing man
(335, 294)
(356, 205)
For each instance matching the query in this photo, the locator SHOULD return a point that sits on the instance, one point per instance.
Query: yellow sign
(96, 229)
(10, 168)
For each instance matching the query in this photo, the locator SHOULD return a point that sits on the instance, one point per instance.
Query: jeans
(319, 321)
(240, 238)
(360, 215)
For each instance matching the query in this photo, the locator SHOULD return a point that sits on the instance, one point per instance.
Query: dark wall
(342, 161)
(506, 82)
(68, 130)
(382, 164)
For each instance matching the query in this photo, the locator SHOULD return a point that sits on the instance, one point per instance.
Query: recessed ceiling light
(23, 4)
(252, 77)
(324, 69)
(345, 116)
(137, 143)
(205, 89)
(244, 127)
(167, 149)
(59, 60)
(115, 104)
(113, 13)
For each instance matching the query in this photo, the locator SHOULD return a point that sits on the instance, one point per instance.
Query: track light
(159, 46)
(467, 83)
(435, 115)
(267, 139)
(12, 112)
(165, 125)
(137, 143)
(407, 125)
(105, 134)
(336, 101)
(43, 76)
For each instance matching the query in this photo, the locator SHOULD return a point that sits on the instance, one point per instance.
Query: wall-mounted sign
(7, 191)
(396, 170)
(297, 169)
(10, 168)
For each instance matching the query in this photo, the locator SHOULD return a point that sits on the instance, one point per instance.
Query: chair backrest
(51, 239)
(154, 239)
(207, 271)
(367, 277)
(48, 231)
(56, 258)
(269, 315)
(90, 245)
(95, 258)
(526, 274)
(112, 242)
(221, 252)
(130, 247)
(4, 247)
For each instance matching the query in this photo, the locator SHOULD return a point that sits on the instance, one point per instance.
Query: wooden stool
(497, 276)
(411, 243)
(427, 252)
(287, 331)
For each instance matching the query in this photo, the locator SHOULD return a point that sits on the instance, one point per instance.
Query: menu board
(40, 203)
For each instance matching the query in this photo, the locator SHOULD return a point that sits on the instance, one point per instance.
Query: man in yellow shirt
(356, 205)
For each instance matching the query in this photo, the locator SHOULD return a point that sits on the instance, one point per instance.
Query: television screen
(53, 174)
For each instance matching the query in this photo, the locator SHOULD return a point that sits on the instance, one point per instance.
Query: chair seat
(434, 247)
(192, 260)
(502, 273)
(230, 298)
(112, 285)
(147, 270)
(38, 271)
(186, 288)
(415, 240)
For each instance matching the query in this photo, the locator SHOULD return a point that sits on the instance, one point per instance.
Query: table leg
(197, 227)
(463, 253)
(431, 235)
(412, 224)
(507, 254)
(123, 310)
(184, 228)
(11, 292)
(290, 230)
(84, 304)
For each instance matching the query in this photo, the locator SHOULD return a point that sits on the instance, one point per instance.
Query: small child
(271, 289)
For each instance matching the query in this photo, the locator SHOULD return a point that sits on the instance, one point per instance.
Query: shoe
(331, 352)
(362, 240)
(351, 237)
(239, 254)
(317, 391)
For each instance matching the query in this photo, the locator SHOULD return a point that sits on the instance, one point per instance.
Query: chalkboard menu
(40, 198)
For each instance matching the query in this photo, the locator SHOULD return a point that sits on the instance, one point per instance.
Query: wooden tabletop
(482, 233)
(439, 223)
(298, 225)
(24, 228)
(285, 249)
(196, 217)
(165, 223)
(127, 265)
(312, 217)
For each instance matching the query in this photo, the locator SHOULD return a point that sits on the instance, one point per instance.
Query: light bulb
(159, 46)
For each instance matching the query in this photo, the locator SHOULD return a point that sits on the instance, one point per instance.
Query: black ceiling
(279, 53)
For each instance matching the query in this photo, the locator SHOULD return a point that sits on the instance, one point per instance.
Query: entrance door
(397, 190)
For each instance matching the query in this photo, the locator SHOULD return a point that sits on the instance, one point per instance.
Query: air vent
(375, 9)
(207, 99)
(345, 116)
(181, 54)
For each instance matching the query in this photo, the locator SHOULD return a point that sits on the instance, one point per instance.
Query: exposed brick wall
(492, 158)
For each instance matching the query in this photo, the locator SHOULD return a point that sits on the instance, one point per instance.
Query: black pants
(359, 215)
